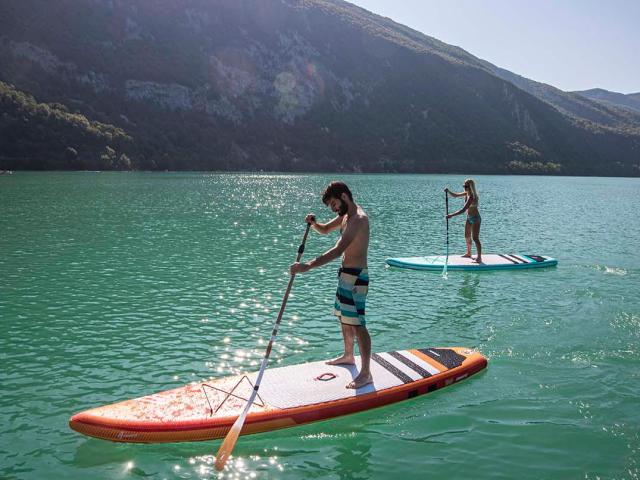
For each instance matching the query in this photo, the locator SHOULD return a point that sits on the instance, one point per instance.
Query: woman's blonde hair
(472, 188)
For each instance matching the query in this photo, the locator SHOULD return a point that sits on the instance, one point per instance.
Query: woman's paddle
(232, 437)
(446, 207)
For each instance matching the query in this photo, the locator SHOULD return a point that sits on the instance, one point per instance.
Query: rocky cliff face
(603, 114)
(296, 85)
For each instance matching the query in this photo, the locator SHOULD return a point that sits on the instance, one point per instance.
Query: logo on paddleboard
(126, 435)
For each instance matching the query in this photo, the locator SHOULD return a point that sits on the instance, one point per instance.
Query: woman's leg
(476, 238)
(467, 238)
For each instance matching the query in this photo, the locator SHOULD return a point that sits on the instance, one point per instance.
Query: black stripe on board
(537, 258)
(507, 258)
(413, 366)
(444, 356)
(515, 256)
(398, 373)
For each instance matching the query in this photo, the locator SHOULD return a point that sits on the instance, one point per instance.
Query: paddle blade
(228, 444)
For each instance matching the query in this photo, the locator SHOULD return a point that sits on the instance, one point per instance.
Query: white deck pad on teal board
(490, 261)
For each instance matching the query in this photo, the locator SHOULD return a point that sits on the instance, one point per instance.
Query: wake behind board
(288, 396)
(506, 261)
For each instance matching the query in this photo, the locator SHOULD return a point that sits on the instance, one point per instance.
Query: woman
(472, 225)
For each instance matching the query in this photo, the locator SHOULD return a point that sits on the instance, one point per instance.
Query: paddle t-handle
(230, 440)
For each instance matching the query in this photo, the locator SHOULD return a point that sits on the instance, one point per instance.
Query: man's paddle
(232, 437)
(446, 207)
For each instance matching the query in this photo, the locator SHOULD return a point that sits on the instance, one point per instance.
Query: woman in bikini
(472, 225)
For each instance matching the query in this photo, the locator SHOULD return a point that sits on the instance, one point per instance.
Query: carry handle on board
(232, 437)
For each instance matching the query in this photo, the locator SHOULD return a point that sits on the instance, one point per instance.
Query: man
(353, 277)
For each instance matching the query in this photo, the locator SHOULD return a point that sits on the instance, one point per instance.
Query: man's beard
(343, 208)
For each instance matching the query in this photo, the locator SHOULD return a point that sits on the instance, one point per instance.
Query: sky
(570, 44)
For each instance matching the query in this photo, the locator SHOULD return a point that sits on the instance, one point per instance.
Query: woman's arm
(455, 194)
(463, 209)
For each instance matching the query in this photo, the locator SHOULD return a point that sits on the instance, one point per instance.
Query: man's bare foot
(477, 260)
(343, 360)
(360, 381)
(466, 255)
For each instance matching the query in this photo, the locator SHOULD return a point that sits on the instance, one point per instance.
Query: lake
(117, 285)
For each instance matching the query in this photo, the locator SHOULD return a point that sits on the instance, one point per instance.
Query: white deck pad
(299, 385)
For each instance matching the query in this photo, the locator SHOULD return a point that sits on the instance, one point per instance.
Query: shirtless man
(353, 276)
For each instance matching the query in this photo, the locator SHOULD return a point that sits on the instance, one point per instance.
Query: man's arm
(324, 228)
(341, 245)
(347, 237)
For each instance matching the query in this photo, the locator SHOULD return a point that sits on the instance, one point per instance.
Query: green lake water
(117, 285)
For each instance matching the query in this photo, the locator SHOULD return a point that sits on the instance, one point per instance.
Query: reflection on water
(354, 458)
(469, 288)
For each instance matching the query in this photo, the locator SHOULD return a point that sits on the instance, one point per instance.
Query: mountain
(583, 109)
(289, 85)
(630, 101)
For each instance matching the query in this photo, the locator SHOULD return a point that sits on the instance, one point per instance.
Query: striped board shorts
(353, 285)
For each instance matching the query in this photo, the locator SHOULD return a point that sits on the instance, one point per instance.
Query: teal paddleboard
(490, 261)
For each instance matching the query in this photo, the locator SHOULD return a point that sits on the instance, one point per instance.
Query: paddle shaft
(446, 207)
(232, 437)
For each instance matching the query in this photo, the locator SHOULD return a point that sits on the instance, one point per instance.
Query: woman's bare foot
(360, 381)
(477, 260)
(343, 360)
(466, 255)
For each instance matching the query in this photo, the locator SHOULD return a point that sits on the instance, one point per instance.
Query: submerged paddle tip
(224, 452)
(220, 463)
(221, 460)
